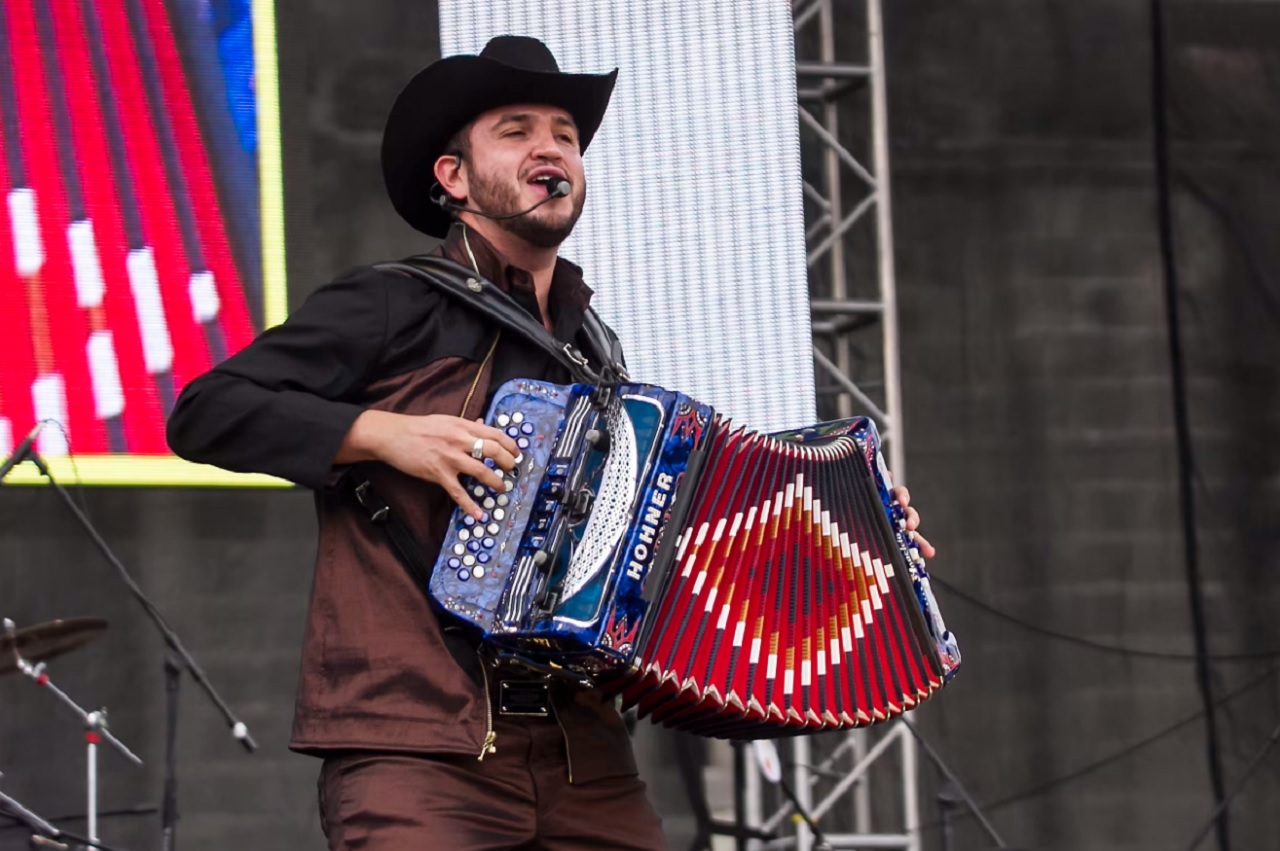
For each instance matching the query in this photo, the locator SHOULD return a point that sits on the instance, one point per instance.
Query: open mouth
(546, 180)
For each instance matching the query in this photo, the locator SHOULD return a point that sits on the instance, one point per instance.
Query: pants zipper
(490, 737)
(568, 753)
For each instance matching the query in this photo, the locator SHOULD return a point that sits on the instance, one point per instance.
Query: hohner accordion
(725, 582)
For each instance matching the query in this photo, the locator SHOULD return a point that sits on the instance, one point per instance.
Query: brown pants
(518, 798)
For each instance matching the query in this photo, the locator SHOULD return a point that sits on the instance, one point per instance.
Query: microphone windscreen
(559, 188)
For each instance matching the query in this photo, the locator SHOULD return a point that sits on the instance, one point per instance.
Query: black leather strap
(602, 362)
(356, 480)
(485, 298)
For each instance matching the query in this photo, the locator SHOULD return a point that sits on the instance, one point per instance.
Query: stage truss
(860, 788)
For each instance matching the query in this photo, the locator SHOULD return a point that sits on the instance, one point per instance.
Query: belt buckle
(526, 698)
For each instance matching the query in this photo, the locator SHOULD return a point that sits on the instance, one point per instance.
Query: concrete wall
(1039, 399)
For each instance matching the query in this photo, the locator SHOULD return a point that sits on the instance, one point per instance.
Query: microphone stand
(44, 834)
(177, 658)
(957, 787)
(95, 727)
(957, 793)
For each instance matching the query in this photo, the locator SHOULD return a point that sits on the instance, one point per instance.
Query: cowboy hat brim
(443, 97)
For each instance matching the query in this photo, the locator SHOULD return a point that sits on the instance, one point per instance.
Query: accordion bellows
(724, 582)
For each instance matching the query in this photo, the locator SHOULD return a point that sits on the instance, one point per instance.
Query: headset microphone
(557, 188)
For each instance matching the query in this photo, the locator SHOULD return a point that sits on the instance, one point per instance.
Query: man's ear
(449, 174)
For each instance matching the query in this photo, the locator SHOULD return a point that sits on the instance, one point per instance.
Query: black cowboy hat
(443, 97)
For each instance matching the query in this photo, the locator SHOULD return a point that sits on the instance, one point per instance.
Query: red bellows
(788, 607)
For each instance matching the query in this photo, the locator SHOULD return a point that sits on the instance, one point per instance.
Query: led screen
(140, 238)
(693, 233)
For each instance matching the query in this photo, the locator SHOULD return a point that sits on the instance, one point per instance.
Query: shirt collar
(569, 296)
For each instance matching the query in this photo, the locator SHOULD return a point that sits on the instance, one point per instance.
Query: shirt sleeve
(283, 404)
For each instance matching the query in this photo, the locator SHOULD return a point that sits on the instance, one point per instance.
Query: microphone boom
(558, 188)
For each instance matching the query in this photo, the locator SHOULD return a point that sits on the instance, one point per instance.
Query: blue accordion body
(555, 574)
(598, 511)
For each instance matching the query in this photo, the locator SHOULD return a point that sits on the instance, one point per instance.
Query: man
(381, 370)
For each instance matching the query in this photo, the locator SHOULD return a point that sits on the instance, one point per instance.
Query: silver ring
(477, 449)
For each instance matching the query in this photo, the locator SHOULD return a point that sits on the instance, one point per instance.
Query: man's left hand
(913, 521)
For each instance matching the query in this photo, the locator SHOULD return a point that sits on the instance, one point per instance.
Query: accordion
(723, 581)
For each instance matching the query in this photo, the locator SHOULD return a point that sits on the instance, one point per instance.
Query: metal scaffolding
(859, 788)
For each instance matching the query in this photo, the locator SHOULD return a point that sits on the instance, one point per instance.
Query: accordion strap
(489, 301)
(356, 481)
(482, 296)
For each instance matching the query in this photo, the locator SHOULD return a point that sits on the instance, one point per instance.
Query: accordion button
(464, 535)
(526, 428)
(488, 503)
(488, 543)
(477, 572)
(507, 485)
(503, 420)
(499, 514)
(522, 442)
(483, 558)
(490, 463)
(503, 499)
(455, 563)
(464, 575)
(513, 431)
(468, 521)
(517, 417)
(478, 490)
(473, 546)
(459, 549)
(468, 560)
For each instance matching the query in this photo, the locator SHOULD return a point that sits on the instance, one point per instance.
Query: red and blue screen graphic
(132, 229)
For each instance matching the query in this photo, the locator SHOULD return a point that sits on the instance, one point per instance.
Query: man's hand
(913, 521)
(435, 448)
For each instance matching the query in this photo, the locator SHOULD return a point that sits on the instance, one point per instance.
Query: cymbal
(47, 640)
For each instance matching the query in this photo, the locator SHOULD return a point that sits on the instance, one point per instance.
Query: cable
(1240, 784)
(1181, 419)
(1115, 757)
(1118, 650)
(75, 468)
(1130, 749)
(14, 823)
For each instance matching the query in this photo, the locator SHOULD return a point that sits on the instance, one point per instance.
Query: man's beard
(499, 198)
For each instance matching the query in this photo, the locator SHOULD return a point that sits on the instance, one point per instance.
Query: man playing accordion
(378, 370)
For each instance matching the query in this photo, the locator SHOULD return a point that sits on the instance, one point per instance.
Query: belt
(524, 698)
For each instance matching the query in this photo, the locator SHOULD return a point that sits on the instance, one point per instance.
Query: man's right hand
(435, 448)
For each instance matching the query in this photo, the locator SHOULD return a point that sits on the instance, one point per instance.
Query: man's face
(514, 149)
